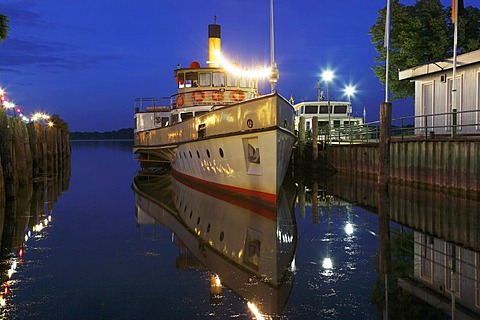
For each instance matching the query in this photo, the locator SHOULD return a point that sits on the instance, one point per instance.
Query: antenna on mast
(274, 71)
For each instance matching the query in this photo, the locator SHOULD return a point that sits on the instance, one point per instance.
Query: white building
(433, 95)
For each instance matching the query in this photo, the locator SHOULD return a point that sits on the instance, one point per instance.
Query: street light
(350, 91)
(327, 76)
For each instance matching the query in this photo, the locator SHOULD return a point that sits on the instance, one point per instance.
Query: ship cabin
(339, 115)
(211, 87)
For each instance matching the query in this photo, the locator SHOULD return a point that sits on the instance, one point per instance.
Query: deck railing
(449, 124)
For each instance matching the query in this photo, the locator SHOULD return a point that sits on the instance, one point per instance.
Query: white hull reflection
(247, 246)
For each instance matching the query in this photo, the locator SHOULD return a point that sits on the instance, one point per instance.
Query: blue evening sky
(88, 60)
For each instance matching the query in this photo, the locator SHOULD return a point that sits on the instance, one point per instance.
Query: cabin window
(187, 115)
(205, 79)
(164, 121)
(336, 124)
(232, 81)
(191, 79)
(174, 118)
(324, 109)
(311, 109)
(244, 83)
(322, 124)
(218, 79)
(181, 80)
(340, 109)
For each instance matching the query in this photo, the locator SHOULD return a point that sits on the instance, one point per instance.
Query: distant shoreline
(122, 134)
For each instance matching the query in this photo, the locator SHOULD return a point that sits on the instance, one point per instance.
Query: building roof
(440, 66)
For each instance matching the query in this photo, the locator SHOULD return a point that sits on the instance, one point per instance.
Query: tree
(59, 123)
(421, 33)
(3, 27)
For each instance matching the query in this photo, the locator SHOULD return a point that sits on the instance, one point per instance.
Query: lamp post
(349, 91)
(327, 76)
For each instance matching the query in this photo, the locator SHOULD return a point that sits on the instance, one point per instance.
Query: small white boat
(218, 130)
(340, 114)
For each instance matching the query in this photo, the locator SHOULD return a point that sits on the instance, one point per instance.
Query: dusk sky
(88, 60)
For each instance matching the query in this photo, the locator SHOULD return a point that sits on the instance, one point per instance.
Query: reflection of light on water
(36, 231)
(253, 308)
(349, 228)
(327, 263)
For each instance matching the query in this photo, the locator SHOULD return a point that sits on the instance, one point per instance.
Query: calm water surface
(155, 250)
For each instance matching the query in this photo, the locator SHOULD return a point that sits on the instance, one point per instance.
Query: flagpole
(387, 45)
(274, 70)
(454, 72)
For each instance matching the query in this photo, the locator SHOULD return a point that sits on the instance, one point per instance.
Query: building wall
(433, 97)
(432, 267)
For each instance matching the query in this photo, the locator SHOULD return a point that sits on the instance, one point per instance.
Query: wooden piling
(7, 154)
(315, 140)
(384, 145)
(301, 136)
(29, 150)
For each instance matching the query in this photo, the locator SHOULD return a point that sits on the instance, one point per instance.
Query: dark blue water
(99, 258)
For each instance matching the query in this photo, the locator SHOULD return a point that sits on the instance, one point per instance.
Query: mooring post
(384, 144)
(315, 140)
(301, 139)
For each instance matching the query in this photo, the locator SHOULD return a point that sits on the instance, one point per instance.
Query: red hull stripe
(261, 203)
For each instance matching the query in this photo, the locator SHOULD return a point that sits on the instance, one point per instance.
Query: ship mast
(274, 71)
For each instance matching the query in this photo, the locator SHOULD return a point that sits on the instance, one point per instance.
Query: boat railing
(150, 105)
(209, 97)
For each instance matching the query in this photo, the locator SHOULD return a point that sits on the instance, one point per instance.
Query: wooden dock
(29, 150)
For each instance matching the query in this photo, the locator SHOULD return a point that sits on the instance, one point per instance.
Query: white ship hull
(245, 147)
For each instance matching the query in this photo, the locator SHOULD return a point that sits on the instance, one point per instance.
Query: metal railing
(449, 124)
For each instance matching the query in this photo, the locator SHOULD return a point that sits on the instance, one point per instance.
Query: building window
(427, 109)
(449, 105)
(426, 259)
(452, 268)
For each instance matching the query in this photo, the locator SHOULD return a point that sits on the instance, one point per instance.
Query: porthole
(208, 154)
(190, 152)
(208, 228)
(222, 235)
(185, 208)
(221, 152)
(184, 155)
(198, 221)
(191, 214)
(198, 154)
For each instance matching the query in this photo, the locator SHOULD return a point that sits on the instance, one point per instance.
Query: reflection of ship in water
(247, 246)
(439, 231)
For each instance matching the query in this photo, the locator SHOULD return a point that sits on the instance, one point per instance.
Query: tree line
(122, 134)
(421, 33)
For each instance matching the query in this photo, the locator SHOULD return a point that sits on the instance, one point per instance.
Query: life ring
(180, 100)
(199, 95)
(217, 95)
(238, 95)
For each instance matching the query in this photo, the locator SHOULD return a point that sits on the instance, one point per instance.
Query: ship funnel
(214, 43)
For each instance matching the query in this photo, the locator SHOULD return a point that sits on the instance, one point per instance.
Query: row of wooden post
(29, 150)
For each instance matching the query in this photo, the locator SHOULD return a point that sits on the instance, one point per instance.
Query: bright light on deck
(249, 73)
